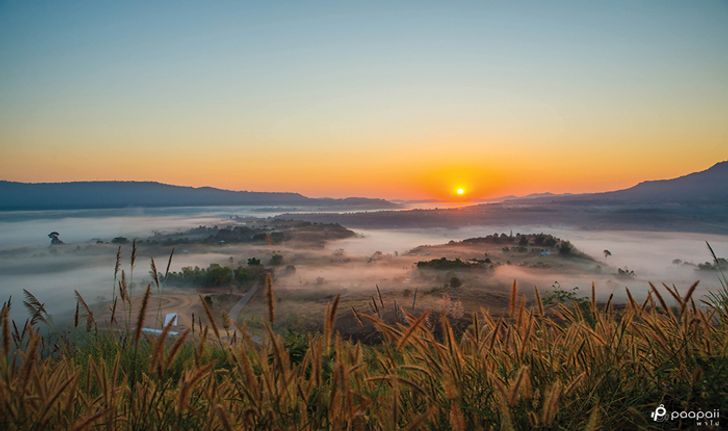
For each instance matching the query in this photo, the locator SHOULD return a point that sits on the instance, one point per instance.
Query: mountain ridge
(121, 194)
(706, 186)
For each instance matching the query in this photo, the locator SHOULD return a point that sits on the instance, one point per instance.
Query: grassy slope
(583, 366)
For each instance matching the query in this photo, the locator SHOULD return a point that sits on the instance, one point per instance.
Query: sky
(401, 100)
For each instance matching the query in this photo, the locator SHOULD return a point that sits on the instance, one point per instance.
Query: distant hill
(121, 194)
(696, 202)
(705, 187)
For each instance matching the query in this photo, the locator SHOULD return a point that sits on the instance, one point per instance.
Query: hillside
(707, 187)
(120, 194)
(697, 202)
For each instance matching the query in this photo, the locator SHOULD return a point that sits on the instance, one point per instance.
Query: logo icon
(660, 414)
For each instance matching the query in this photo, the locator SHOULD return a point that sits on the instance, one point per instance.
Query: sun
(460, 191)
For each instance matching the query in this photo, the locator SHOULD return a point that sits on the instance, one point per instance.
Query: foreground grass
(581, 365)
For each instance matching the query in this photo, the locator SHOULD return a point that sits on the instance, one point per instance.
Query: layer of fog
(52, 274)
(649, 254)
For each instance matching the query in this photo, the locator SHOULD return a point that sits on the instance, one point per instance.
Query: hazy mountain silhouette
(120, 194)
(708, 187)
(696, 202)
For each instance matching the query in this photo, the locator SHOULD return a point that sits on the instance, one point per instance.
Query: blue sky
(426, 93)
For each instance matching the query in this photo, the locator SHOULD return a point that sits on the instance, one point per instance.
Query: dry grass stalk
(526, 369)
(141, 316)
(270, 298)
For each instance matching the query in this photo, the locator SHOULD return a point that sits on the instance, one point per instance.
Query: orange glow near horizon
(337, 174)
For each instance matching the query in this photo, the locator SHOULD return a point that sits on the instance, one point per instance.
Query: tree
(607, 253)
(276, 259)
(54, 238)
(565, 248)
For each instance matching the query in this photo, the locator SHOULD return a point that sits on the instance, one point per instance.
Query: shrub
(276, 259)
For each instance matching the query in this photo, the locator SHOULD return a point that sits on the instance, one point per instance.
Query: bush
(565, 248)
(276, 259)
(214, 276)
(444, 263)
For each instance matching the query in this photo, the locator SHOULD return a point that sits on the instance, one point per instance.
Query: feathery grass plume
(117, 267)
(667, 309)
(141, 316)
(376, 307)
(154, 273)
(356, 316)
(609, 302)
(133, 253)
(674, 293)
(202, 343)
(137, 337)
(75, 316)
(329, 322)
(418, 421)
(593, 297)
(132, 262)
(4, 317)
(54, 397)
(210, 319)
(112, 319)
(125, 299)
(550, 404)
(188, 383)
(175, 349)
(16, 334)
(539, 302)
(688, 296)
(632, 303)
(717, 261)
(29, 361)
(269, 297)
(90, 321)
(169, 264)
(159, 348)
(123, 290)
(225, 321)
(379, 292)
(86, 422)
(223, 418)
(408, 333)
(35, 308)
(514, 392)
(414, 300)
(513, 300)
(718, 299)
(593, 422)
(155, 277)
